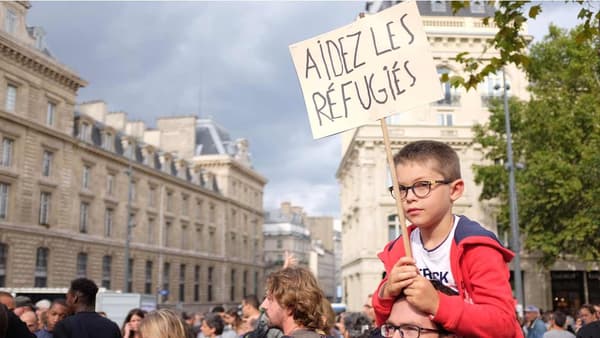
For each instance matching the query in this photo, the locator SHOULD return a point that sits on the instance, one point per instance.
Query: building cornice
(226, 160)
(29, 58)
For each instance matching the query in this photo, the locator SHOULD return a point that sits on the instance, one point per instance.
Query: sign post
(366, 71)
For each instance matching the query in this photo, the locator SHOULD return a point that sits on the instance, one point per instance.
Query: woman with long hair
(163, 323)
(131, 325)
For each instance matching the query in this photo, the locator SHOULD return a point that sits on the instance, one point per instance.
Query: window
(244, 282)
(197, 283)
(212, 213)
(82, 259)
(151, 226)
(451, 94)
(184, 205)
(10, 21)
(7, 151)
(167, 233)
(232, 286)
(3, 259)
(182, 282)
(45, 208)
(166, 275)
(108, 221)
(148, 278)
(199, 205)
(438, 6)
(279, 243)
(4, 200)
(209, 291)
(493, 87)
(130, 276)
(152, 197)
(46, 163)
(50, 109)
(445, 120)
(11, 98)
(85, 131)
(106, 267)
(393, 227)
(108, 141)
(83, 217)
(41, 268)
(256, 282)
(85, 184)
(169, 201)
(110, 184)
(184, 237)
(211, 240)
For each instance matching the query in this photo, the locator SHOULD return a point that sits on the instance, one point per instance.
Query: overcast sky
(226, 60)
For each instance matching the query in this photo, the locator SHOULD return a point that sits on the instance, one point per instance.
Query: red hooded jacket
(485, 306)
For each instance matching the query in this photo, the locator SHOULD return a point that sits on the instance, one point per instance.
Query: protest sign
(372, 68)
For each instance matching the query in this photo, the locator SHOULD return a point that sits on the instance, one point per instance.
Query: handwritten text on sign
(372, 68)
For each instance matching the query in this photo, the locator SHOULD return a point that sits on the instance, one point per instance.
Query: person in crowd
(410, 322)
(557, 326)
(197, 323)
(7, 299)
(293, 302)
(587, 313)
(86, 322)
(452, 249)
(339, 323)
(11, 326)
(250, 312)
(534, 326)
(22, 305)
(188, 322)
(162, 323)
(356, 325)
(30, 319)
(131, 324)
(234, 322)
(368, 307)
(58, 311)
(212, 325)
(41, 307)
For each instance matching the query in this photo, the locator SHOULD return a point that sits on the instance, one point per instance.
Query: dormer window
(477, 7)
(108, 141)
(10, 21)
(438, 6)
(85, 131)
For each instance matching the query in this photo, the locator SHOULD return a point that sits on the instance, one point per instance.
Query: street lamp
(512, 197)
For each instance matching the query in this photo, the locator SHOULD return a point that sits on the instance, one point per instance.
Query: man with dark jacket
(85, 323)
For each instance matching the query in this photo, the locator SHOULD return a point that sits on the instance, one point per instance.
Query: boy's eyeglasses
(421, 189)
(405, 330)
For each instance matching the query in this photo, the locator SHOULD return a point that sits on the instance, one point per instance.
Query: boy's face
(430, 209)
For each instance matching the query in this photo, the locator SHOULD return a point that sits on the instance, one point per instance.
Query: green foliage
(556, 135)
(510, 17)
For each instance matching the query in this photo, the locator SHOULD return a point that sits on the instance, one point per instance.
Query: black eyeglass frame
(400, 327)
(404, 189)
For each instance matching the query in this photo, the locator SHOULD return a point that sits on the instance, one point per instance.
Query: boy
(451, 249)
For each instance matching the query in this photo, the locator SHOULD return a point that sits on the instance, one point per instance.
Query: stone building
(363, 175)
(290, 229)
(73, 178)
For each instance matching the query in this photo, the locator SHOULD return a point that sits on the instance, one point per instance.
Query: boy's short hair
(443, 158)
(559, 318)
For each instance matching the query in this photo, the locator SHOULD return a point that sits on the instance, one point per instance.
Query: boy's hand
(422, 295)
(402, 274)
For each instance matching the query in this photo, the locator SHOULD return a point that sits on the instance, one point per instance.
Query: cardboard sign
(370, 69)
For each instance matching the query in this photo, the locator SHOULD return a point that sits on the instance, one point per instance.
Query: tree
(510, 17)
(556, 135)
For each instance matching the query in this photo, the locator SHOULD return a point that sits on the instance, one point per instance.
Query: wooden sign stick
(390, 157)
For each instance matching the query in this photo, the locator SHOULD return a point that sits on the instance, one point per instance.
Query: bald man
(31, 320)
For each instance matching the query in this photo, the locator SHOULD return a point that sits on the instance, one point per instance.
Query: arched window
(492, 87)
(451, 94)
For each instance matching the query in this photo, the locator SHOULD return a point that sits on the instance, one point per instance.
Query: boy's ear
(456, 189)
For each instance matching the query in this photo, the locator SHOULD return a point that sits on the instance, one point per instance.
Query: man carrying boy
(450, 249)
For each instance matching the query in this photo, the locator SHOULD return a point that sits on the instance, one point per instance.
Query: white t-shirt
(435, 263)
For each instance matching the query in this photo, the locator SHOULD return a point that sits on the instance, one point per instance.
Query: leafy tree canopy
(510, 17)
(556, 135)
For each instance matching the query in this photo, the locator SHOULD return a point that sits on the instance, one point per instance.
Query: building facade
(73, 180)
(363, 174)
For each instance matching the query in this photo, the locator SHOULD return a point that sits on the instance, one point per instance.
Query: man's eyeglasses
(421, 189)
(405, 330)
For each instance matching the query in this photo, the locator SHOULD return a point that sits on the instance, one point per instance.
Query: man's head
(250, 306)
(82, 294)
(23, 304)
(212, 325)
(428, 173)
(31, 320)
(7, 299)
(587, 313)
(558, 319)
(293, 299)
(531, 313)
(411, 322)
(58, 311)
